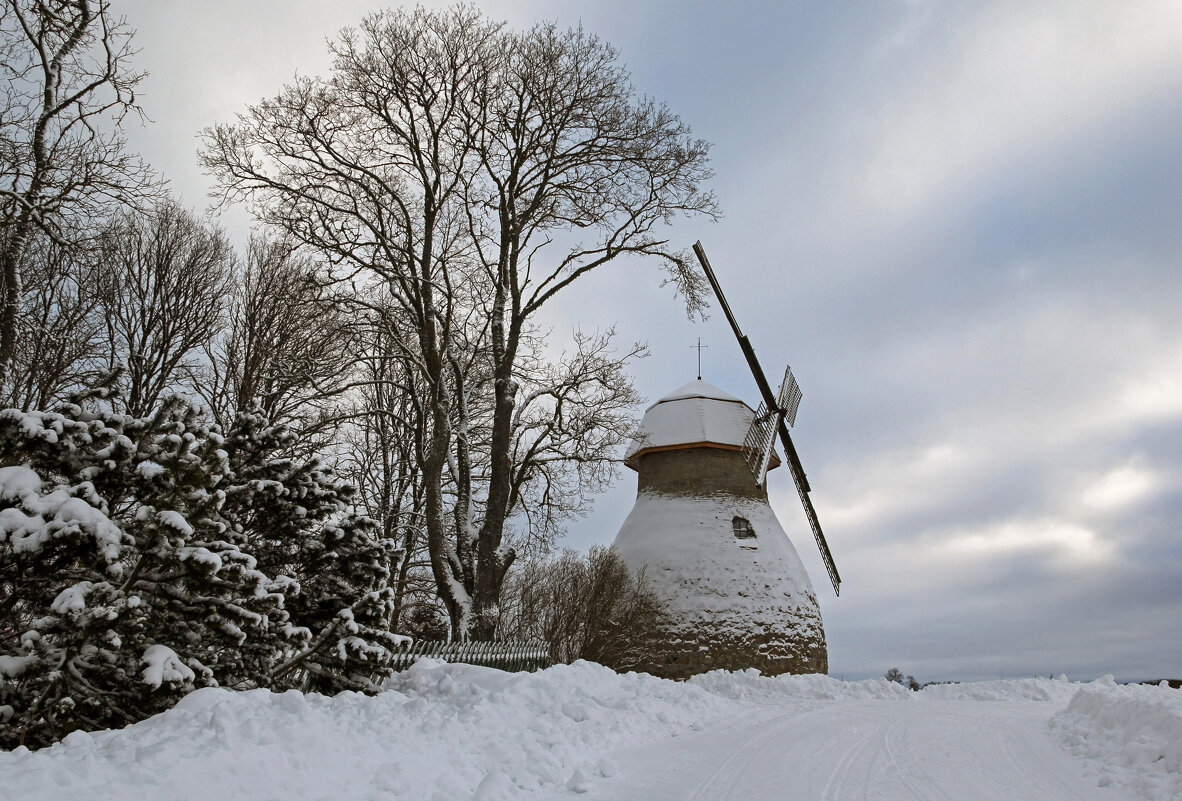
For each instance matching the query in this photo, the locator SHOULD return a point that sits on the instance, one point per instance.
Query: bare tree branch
(62, 161)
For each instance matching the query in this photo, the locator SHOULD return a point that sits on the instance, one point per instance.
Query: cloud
(1061, 538)
(1120, 487)
(1012, 75)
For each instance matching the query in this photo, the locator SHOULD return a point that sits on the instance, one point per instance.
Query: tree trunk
(10, 303)
(491, 562)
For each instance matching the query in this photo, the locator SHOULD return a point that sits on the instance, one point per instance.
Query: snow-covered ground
(445, 732)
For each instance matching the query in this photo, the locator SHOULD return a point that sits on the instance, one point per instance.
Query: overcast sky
(959, 222)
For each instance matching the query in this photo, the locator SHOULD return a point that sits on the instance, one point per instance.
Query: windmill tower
(702, 528)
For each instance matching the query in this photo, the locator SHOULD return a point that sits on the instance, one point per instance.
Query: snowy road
(860, 750)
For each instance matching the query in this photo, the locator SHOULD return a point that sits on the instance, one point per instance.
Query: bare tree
(442, 157)
(369, 168)
(66, 65)
(289, 343)
(896, 675)
(572, 415)
(165, 281)
(61, 326)
(384, 451)
(567, 145)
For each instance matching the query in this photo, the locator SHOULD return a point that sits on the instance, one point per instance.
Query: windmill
(775, 414)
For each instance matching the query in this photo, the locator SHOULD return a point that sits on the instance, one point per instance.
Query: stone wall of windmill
(712, 547)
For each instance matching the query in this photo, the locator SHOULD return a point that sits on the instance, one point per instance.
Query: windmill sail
(770, 401)
(790, 395)
(761, 437)
(758, 444)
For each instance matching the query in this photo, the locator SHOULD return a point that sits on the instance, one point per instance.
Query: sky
(958, 222)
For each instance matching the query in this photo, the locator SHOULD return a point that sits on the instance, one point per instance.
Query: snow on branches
(141, 558)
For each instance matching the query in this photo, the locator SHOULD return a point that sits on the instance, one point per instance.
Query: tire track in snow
(913, 769)
(862, 750)
(1038, 784)
(1008, 758)
(733, 769)
(838, 778)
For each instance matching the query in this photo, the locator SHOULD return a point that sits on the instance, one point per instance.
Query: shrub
(585, 606)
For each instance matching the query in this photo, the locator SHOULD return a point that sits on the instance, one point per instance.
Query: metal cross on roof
(699, 348)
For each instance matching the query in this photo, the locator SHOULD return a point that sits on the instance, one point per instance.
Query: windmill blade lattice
(790, 395)
(761, 436)
(757, 445)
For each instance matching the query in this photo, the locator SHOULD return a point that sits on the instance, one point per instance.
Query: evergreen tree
(296, 518)
(121, 585)
(141, 558)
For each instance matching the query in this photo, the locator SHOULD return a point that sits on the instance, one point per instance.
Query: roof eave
(633, 461)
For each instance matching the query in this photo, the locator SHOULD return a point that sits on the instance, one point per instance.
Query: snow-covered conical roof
(696, 415)
(697, 389)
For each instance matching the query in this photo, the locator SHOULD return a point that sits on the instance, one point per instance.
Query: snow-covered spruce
(142, 558)
(103, 562)
(295, 518)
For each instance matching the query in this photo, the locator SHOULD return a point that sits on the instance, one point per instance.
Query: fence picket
(510, 656)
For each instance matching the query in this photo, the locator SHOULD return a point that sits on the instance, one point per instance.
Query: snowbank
(1058, 690)
(1132, 735)
(750, 687)
(442, 732)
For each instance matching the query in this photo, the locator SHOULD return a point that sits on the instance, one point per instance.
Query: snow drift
(1131, 734)
(448, 731)
(440, 731)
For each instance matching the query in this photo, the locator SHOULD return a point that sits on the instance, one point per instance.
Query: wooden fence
(510, 656)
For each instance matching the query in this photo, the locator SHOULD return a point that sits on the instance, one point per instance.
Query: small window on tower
(742, 528)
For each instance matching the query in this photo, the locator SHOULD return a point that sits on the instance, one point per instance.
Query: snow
(1132, 735)
(19, 483)
(72, 599)
(694, 559)
(175, 521)
(13, 666)
(696, 389)
(696, 413)
(751, 688)
(163, 665)
(442, 732)
(28, 531)
(1059, 690)
(149, 469)
(200, 555)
